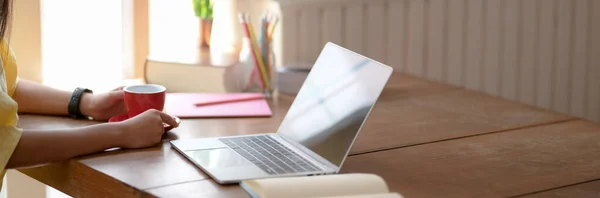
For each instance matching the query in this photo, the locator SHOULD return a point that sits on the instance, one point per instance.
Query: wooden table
(425, 139)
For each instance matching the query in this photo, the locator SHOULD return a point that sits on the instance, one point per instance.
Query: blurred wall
(538, 52)
(26, 41)
(26, 38)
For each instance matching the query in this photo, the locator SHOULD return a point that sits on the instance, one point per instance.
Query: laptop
(316, 133)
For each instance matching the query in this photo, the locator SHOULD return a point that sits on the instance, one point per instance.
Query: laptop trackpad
(218, 158)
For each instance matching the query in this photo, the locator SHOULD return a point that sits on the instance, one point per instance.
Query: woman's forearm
(44, 146)
(34, 97)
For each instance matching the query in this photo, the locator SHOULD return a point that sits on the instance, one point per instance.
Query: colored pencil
(261, 65)
(246, 31)
(263, 42)
(229, 101)
(274, 24)
(251, 79)
(266, 47)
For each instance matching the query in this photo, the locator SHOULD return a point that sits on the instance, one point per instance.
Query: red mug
(140, 98)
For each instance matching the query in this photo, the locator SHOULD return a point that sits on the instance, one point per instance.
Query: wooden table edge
(68, 176)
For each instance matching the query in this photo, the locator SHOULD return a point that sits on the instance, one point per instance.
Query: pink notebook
(183, 105)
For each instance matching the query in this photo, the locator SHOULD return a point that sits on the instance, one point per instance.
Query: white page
(318, 186)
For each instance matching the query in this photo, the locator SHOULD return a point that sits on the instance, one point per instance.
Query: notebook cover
(183, 105)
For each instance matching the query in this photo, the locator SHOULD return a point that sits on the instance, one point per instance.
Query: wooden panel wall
(540, 52)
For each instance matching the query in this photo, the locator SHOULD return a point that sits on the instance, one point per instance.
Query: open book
(352, 185)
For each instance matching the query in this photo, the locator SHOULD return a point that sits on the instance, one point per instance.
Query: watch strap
(75, 101)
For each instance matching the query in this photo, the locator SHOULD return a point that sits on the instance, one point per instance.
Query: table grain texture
(426, 139)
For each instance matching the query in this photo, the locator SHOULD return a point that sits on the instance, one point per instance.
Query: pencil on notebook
(229, 101)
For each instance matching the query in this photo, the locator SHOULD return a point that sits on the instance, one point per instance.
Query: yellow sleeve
(9, 133)
(10, 67)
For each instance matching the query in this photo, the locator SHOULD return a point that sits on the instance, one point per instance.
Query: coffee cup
(140, 98)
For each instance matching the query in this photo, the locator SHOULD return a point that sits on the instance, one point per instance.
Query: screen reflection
(334, 102)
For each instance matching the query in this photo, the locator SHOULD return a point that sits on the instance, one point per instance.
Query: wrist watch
(73, 109)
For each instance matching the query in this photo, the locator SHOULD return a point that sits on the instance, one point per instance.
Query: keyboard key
(269, 155)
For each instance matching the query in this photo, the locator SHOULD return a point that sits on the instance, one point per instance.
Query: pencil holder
(255, 78)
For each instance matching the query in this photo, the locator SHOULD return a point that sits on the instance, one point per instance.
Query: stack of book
(192, 74)
(189, 75)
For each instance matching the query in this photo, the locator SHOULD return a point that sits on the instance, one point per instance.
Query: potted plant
(204, 11)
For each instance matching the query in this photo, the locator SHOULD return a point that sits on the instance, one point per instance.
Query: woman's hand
(103, 106)
(145, 129)
(39, 146)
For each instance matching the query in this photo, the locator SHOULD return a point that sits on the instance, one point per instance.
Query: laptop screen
(334, 102)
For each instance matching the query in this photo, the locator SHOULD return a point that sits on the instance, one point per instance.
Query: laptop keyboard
(268, 154)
